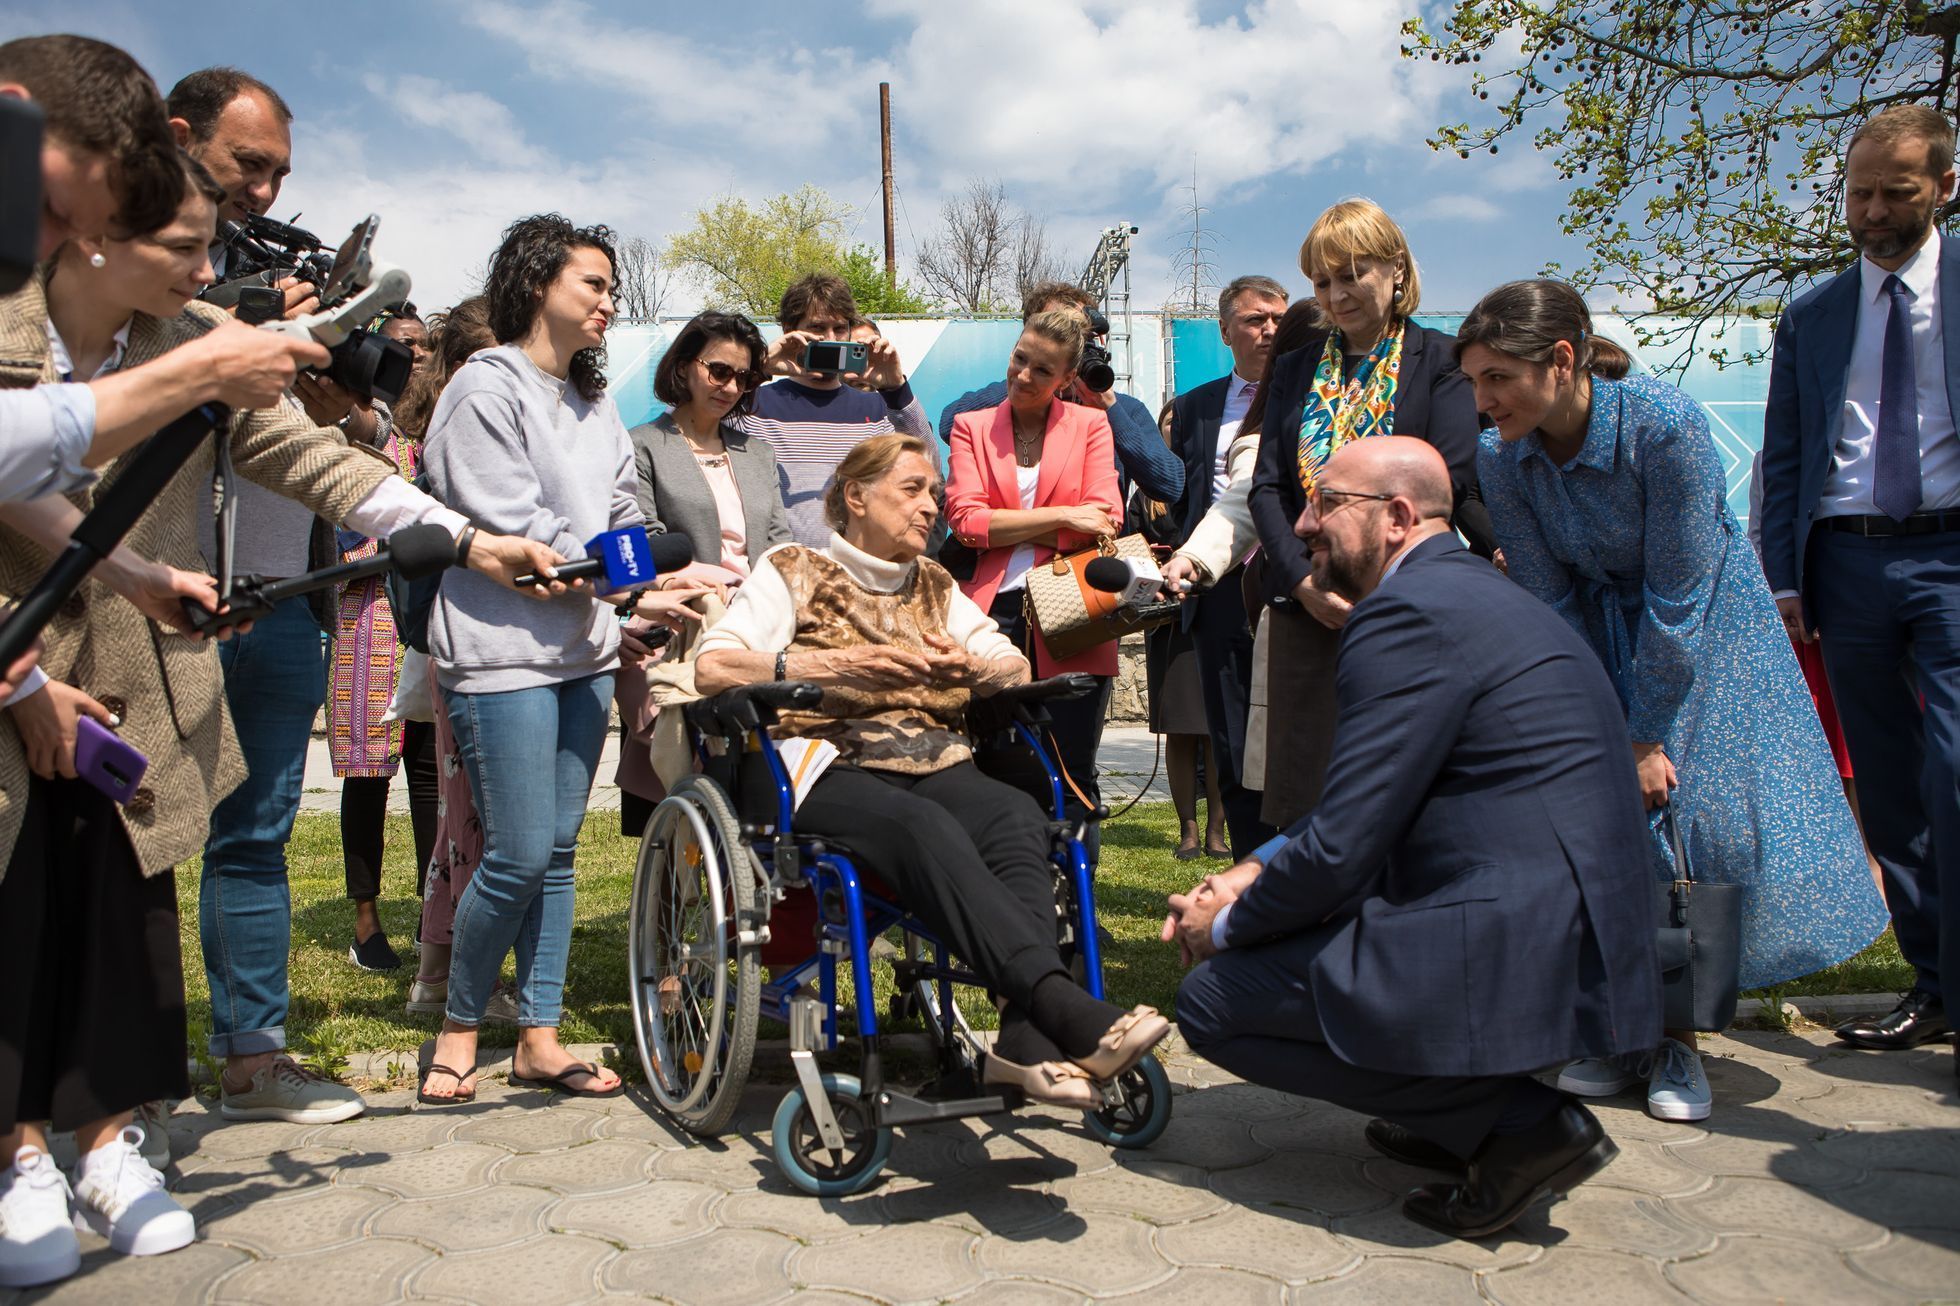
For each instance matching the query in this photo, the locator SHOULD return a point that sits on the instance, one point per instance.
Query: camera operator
(88, 888)
(109, 165)
(812, 419)
(1141, 454)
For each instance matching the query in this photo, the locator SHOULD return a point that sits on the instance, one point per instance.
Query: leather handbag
(1700, 945)
(1071, 617)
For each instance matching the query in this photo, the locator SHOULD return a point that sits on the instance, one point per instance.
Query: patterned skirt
(366, 658)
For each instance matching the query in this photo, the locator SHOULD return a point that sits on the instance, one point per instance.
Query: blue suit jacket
(1473, 895)
(1807, 375)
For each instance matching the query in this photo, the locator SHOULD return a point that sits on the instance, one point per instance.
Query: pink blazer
(1078, 466)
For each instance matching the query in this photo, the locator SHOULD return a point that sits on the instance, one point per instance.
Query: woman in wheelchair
(898, 651)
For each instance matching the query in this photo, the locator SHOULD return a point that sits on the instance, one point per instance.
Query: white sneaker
(1598, 1077)
(119, 1196)
(37, 1244)
(1678, 1090)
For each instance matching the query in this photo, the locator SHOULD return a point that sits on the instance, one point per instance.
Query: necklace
(697, 444)
(1027, 448)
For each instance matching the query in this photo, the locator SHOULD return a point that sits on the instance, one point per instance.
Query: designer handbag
(1073, 618)
(1700, 945)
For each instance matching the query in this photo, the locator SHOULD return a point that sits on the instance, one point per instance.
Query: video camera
(365, 362)
(1095, 371)
(20, 191)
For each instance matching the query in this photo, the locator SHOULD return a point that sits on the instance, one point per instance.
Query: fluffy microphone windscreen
(670, 552)
(418, 551)
(1110, 575)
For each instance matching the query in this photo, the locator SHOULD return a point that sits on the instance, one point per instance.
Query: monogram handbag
(1073, 618)
(1700, 945)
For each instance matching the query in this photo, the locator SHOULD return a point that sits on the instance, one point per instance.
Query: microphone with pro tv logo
(623, 559)
(1133, 583)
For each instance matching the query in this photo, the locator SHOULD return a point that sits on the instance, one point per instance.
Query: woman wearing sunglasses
(702, 477)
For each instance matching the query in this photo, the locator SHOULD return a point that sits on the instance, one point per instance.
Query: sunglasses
(721, 374)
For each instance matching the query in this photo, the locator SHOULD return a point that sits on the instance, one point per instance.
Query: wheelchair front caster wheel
(1142, 1111)
(800, 1151)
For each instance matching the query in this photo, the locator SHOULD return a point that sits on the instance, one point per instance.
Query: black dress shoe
(1512, 1171)
(1919, 1018)
(1410, 1148)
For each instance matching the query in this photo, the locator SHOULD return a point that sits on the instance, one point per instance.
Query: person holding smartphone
(809, 416)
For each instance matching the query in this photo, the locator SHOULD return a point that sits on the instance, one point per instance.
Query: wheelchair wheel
(802, 1156)
(696, 986)
(1143, 1112)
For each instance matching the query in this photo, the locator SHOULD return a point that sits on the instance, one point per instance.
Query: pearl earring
(96, 260)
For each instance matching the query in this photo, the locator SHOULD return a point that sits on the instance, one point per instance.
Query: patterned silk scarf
(1338, 411)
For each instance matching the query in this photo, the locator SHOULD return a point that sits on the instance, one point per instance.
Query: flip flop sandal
(422, 1093)
(584, 1070)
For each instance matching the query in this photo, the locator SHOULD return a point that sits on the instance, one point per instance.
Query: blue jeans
(275, 681)
(530, 755)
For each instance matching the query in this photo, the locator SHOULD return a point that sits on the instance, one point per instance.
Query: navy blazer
(1433, 402)
(1808, 370)
(1472, 896)
(1195, 417)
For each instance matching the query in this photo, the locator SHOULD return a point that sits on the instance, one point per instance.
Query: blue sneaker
(1599, 1076)
(1678, 1090)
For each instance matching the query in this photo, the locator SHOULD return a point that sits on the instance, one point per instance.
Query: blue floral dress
(1633, 543)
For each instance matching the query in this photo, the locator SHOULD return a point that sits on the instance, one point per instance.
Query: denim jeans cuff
(250, 1042)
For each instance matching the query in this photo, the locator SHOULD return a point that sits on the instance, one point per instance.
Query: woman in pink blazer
(1031, 477)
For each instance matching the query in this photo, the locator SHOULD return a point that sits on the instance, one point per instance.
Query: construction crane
(1107, 278)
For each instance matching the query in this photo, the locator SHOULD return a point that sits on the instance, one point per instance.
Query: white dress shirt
(1238, 398)
(1224, 536)
(1848, 488)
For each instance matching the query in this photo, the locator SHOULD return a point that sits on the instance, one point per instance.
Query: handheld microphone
(414, 551)
(1133, 583)
(626, 558)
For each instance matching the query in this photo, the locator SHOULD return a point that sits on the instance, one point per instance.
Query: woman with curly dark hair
(525, 440)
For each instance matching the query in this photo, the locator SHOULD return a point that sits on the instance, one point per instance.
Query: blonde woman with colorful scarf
(1367, 369)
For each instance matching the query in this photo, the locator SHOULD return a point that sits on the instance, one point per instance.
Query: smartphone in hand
(106, 761)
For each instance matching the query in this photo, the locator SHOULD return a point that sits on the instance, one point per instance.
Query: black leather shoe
(1919, 1018)
(1512, 1171)
(1410, 1148)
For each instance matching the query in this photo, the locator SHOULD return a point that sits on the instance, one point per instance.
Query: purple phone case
(105, 761)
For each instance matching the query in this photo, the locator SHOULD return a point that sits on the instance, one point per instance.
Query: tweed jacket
(168, 689)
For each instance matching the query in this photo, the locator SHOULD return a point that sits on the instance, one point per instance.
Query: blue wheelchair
(725, 887)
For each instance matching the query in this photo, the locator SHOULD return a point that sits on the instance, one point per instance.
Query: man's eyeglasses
(721, 374)
(1317, 493)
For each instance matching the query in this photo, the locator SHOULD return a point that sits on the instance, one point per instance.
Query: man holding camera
(109, 164)
(810, 417)
(1141, 454)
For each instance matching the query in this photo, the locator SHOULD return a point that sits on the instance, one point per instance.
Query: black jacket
(1432, 402)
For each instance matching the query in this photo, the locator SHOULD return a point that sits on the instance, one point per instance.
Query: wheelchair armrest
(1073, 685)
(750, 707)
(996, 714)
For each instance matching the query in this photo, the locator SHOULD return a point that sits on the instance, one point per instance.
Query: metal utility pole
(885, 148)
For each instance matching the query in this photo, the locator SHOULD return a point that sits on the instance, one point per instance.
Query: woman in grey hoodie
(526, 441)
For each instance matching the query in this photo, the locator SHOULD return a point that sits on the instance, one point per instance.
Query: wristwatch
(463, 542)
(782, 665)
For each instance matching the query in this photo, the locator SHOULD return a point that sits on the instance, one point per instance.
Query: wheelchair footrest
(897, 1107)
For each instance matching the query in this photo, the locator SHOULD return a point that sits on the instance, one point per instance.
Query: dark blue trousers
(1888, 613)
(1224, 646)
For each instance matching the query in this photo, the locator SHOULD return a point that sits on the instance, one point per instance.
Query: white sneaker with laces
(120, 1196)
(1678, 1090)
(1598, 1077)
(282, 1089)
(37, 1244)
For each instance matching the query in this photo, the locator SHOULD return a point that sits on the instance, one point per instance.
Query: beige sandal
(1051, 1083)
(1126, 1042)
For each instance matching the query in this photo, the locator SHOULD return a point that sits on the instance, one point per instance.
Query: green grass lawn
(337, 1009)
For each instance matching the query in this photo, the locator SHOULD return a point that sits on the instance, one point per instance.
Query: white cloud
(1455, 208)
(484, 124)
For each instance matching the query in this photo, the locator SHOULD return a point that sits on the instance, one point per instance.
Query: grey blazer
(675, 497)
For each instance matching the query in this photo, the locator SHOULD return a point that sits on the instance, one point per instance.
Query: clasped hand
(1191, 914)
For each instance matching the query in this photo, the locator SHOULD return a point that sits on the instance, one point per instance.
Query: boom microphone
(626, 558)
(414, 551)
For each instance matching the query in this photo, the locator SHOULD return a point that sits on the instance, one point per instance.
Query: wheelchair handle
(750, 707)
(1074, 684)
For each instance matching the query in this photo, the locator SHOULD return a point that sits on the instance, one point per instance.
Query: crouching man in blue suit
(1471, 901)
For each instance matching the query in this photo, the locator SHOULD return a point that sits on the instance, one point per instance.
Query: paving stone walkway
(1828, 1176)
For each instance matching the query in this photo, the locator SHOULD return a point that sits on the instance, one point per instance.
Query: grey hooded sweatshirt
(518, 452)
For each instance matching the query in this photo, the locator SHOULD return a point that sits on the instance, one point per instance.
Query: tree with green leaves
(745, 256)
(1703, 140)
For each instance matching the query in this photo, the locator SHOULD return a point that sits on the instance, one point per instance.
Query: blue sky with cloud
(451, 117)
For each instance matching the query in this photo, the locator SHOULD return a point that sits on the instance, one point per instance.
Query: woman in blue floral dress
(1609, 503)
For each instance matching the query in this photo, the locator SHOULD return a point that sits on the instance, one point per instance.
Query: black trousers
(1224, 644)
(1076, 724)
(91, 974)
(1252, 1011)
(364, 815)
(965, 853)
